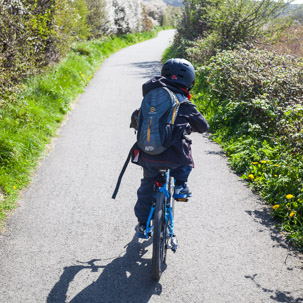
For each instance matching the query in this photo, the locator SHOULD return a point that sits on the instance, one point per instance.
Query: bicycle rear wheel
(159, 238)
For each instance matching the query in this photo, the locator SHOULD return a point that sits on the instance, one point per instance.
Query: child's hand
(188, 129)
(134, 119)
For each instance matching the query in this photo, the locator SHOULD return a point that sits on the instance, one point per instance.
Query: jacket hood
(157, 82)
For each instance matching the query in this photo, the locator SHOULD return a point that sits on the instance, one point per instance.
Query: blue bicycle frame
(168, 207)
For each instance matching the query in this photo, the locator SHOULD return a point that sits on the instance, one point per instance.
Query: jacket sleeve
(134, 119)
(196, 120)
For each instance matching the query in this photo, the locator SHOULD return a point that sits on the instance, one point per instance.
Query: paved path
(70, 242)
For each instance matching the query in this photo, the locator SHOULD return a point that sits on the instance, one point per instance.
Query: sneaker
(140, 229)
(182, 192)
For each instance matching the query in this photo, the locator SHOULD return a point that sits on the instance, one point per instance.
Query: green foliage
(261, 91)
(31, 35)
(196, 21)
(82, 28)
(253, 101)
(172, 52)
(95, 17)
(35, 33)
(28, 123)
(172, 16)
(216, 25)
(24, 41)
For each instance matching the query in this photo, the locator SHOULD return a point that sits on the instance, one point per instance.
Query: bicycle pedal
(174, 244)
(181, 199)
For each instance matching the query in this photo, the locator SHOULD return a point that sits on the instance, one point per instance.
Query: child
(177, 75)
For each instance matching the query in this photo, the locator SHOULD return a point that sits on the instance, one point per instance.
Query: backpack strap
(123, 171)
(176, 107)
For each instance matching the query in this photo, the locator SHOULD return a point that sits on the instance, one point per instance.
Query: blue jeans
(146, 190)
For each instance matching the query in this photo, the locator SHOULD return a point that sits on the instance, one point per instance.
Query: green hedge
(254, 103)
(35, 33)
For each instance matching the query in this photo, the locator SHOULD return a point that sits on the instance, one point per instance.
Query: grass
(29, 120)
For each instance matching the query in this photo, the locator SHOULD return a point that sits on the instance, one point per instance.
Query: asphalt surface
(70, 242)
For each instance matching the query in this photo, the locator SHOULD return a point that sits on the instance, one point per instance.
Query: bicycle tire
(159, 238)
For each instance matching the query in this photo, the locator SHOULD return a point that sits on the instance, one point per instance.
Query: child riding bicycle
(178, 77)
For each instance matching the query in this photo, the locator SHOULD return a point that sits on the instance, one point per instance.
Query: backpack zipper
(175, 109)
(148, 129)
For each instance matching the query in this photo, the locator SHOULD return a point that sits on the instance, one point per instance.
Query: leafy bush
(24, 41)
(95, 17)
(172, 16)
(34, 33)
(261, 91)
(253, 99)
(217, 25)
(254, 103)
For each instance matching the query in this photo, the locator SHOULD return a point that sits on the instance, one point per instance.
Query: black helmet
(179, 71)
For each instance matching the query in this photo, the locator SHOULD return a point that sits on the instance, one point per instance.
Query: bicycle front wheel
(159, 238)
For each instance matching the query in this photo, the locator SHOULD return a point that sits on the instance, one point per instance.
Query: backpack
(158, 112)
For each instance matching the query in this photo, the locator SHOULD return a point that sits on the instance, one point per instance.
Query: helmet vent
(183, 70)
(180, 76)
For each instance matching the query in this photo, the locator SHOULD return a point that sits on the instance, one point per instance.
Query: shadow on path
(263, 217)
(125, 279)
(148, 69)
(276, 295)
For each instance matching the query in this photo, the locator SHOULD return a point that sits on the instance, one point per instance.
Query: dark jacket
(178, 154)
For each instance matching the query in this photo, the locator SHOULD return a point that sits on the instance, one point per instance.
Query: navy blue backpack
(156, 120)
(158, 112)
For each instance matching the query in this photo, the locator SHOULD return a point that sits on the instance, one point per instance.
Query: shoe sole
(182, 196)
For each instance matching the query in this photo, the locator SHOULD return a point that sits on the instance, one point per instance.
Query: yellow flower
(263, 162)
(289, 196)
(251, 176)
(14, 187)
(255, 163)
(292, 214)
(82, 75)
(276, 165)
(276, 206)
(276, 176)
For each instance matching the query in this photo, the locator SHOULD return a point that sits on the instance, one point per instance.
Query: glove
(134, 119)
(187, 130)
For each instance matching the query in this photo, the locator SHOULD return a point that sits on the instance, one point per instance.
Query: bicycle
(160, 222)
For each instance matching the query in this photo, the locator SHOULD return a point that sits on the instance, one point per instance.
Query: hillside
(174, 2)
(171, 2)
